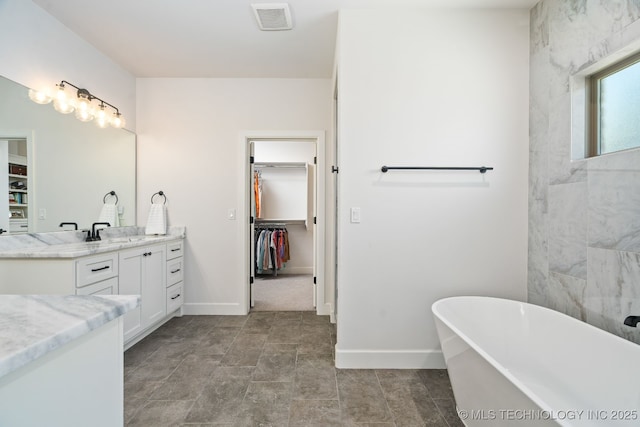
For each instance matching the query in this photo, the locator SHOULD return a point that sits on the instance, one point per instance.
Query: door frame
(28, 136)
(322, 307)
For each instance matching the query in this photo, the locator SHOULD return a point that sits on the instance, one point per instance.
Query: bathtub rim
(492, 361)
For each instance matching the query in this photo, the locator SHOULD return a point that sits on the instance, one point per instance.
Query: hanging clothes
(257, 194)
(271, 249)
(259, 249)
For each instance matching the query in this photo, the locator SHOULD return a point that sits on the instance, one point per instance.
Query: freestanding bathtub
(518, 364)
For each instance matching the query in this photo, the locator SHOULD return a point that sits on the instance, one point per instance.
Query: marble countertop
(71, 244)
(34, 325)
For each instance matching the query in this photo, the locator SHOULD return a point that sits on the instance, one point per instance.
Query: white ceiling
(220, 38)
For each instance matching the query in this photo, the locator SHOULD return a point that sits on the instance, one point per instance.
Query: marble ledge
(34, 325)
(71, 244)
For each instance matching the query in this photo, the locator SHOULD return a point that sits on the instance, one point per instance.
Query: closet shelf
(295, 165)
(281, 221)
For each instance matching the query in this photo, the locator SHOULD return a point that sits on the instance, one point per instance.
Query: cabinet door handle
(177, 296)
(174, 250)
(175, 271)
(106, 267)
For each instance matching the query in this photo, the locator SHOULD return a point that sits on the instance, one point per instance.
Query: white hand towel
(109, 213)
(157, 222)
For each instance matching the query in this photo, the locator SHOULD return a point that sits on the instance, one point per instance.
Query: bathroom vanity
(61, 360)
(124, 262)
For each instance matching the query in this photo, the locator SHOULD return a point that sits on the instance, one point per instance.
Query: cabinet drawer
(18, 226)
(95, 269)
(174, 250)
(175, 297)
(106, 287)
(174, 271)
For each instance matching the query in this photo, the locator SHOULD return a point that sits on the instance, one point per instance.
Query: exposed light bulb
(64, 106)
(84, 109)
(61, 95)
(101, 118)
(117, 121)
(39, 97)
(62, 103)
(83, 103)
(84, 115)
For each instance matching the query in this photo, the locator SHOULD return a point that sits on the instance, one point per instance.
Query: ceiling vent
(273, 16)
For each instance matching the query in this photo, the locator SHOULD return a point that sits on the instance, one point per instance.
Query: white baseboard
(232, 309)
(223, 309)
(325, 310)
(389, 359)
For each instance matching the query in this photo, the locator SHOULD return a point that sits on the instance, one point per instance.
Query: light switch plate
(355, 215)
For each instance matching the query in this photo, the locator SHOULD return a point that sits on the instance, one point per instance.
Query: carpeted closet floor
(285, 292)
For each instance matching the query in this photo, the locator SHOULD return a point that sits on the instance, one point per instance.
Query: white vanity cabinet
(91, 275)
(142, 272)
(153, 270)
(175, 271)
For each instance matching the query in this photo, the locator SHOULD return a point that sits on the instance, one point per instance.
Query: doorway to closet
(285, 248)
(282, 197)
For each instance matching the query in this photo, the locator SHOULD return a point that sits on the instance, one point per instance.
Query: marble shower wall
(584, 215)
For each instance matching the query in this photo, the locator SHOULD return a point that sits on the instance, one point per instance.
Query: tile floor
(270, 369)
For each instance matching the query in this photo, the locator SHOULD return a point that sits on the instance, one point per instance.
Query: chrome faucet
(632, 321)
(95, 234)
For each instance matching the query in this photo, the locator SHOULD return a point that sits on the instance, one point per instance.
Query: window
(614, 107)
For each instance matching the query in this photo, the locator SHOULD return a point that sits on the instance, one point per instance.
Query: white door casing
(4, 185)
(322, 307)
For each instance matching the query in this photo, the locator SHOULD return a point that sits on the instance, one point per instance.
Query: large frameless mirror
(58, 169)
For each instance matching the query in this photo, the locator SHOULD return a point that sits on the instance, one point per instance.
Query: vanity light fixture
(82, 103)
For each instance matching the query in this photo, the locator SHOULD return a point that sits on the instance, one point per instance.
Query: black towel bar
(482, 169)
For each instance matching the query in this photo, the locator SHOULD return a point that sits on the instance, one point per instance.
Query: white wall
(429, 88)
(37, 51)
(190, 147)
